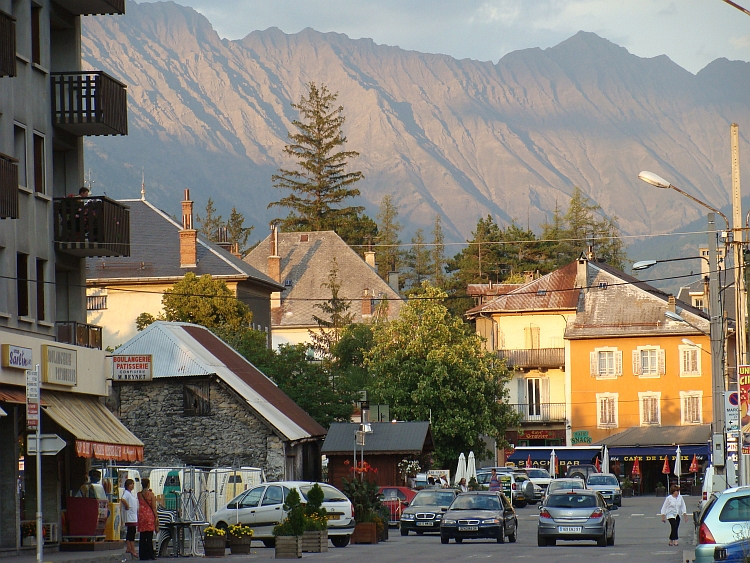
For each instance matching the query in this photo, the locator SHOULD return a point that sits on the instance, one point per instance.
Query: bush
(295, 522)
(365, 497)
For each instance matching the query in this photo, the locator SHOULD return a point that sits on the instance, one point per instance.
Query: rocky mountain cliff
(461, 138)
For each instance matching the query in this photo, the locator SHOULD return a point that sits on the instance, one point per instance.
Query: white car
(539, 477)
(261, 508)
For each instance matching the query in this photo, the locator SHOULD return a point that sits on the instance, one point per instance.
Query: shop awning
(563, 453)
(656, 452)
(98, 432)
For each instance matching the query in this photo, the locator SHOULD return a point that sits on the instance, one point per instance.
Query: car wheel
(521, 504)
(501, 535)
(269, 542)
(619, 504)
(444, 539)
(541, 542)
(459, 540)
(602, 541)
(340, 541)
(512, 537)
(611, 539)
(404, 532)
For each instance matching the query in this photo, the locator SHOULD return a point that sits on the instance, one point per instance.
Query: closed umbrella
(666, 469)
(694, 465)
(553, 464)
(636, 470)
(461, 469)
(471, 467)
(678, 464)
(598, 464)
(605, 460)
(528, 461)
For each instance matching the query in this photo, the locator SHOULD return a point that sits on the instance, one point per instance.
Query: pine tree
(418, 261)
(387, 253)
(337, 310)
(437, 253)
(237, 233)
(210, 223)
(321, 183)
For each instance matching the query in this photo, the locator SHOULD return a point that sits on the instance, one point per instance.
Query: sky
(690, 32)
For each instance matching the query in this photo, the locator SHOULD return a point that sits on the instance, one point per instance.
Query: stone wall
(230, 435)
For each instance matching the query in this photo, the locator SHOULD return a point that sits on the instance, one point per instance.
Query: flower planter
(315, 541)
(661, 491)
(288, 547)
(627, 492)
(240, 545)
(215, 546)
(366, 532)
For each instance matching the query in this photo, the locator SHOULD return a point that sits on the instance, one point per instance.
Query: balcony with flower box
(92, 226)
(89, 103)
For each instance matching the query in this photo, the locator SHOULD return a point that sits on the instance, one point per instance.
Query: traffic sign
(732, 409)
(51, 444)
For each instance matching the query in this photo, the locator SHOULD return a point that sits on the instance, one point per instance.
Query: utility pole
(716, 330)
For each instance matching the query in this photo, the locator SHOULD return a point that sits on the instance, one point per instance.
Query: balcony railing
(534, 358)
(8, 187)
(89, 103)
(7, 44)
(93, 7)
(79, 334)
(92, 226)
(542, 412)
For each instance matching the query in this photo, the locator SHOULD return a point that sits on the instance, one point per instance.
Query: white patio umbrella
(552, 464)
(471, 467)
(605, 460)
(461, 469)
(678, 464)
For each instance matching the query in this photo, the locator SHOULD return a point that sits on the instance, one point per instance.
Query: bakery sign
(16, 357)
(59, 365)
(132, 368)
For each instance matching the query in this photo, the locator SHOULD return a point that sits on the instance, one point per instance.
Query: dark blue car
(735, 552)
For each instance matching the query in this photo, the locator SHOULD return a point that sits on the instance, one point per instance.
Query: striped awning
(98, 432)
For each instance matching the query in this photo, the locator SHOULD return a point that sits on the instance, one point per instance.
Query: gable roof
(306, 264)
(184, 350)
(386, 438)
(155, 253)
(555, 291)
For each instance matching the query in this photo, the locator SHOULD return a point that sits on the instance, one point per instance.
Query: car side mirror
(232, 506)
(613, 507)
(540, 507)
(444, 508)
(405, 503)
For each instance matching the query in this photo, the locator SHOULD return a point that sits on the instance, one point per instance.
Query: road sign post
(50, 444)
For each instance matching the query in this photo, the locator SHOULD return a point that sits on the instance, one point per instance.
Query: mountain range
(458, 138)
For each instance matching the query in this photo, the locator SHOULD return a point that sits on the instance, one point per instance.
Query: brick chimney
(274, 265)
(188, 235)
(367, 305)
(671, 304)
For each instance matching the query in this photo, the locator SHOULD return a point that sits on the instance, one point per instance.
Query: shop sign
(132, 368)
(540, 434)
(580, 437)
(744, 375)
(59, 365)
(16, 357)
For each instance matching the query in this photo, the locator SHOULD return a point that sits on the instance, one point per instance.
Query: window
(606, 404)
(691, 406)
(22, 284)
(96, 302)
(196, 399)
(736, 510)
(534, 393)
(649, 405)
(690, 361)
(648, 361)
(40, 289)
(39, 168)
(606, 363)
(274, 495)
(698, 303)
(19, 147)
(36, 35)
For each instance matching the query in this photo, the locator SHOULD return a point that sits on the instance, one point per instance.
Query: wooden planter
(366, 532)
(661, 491)
(627, 492)
(315, 542)
(240, 545)
(288, 547)
(215, 546)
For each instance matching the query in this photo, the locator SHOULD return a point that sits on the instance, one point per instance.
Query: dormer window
(541, 292)
(287, 283)
(304, 238)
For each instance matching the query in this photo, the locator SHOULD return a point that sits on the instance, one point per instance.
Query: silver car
(724, 519)
(572, 515)
(566, 483)
(608, 485)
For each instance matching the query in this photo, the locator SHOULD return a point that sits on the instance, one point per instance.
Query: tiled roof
(184, 350)
(386, 437)
(305, 266)
(659, 436)
(491, 289)
(555, 291)
(155, 253)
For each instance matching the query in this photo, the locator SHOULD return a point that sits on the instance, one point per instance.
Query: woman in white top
(673, 506)
(130, 504)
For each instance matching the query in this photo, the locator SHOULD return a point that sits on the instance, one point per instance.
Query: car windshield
(432, 498)
(538, 473)
(476, 502)
(571, 501)
(603, 480)
(554, 485)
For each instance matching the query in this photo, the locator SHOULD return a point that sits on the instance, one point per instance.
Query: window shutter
(594, 363)
(545, 390)
(521, 391)
(662, 362)
(636, 362)
(618, 362)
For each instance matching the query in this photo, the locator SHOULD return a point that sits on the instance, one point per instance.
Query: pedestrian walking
(673, 506)
(494, 481)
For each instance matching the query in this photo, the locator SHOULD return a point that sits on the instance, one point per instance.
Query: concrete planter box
(288, 547)
(315, 542)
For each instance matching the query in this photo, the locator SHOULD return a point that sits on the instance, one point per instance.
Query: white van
(224, 484)
(126, 473)
(713, 483)
(170, 486)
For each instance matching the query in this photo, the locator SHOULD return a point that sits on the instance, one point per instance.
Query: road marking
(637, 515)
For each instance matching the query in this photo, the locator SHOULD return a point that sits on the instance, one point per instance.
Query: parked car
(479, 514)
(575, 515)
(396, 499)
(565, 484)
(608, 485)
(723, 520)
(261, 508)
(425, 511)
(581, 471)
(514, 483)
(539, 477)
(735, 552)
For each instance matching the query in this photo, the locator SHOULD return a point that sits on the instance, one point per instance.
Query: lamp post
(716, 326)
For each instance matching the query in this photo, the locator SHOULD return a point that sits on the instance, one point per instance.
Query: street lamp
(716, 325)
(646, 264)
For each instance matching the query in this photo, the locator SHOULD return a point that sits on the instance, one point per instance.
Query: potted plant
(474, 485)
(288, 534)
(240, 538)
(660, 490)
(365, 497)
(627, 487)
(408, 468)
(315, 536)
(214, 542)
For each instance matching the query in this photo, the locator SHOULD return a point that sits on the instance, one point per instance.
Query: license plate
(424, 523)
(332, 516)
(569, 529)
(468, 528)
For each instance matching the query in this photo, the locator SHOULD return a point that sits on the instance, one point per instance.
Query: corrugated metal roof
(659, 436)
(183, 349)
(386, 437)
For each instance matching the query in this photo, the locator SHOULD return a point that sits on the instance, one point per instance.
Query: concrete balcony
(89, 103)
(541, 412)
(8, 187)
(92, 226)
(7, 44)
(534, 358)
(93, 7)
